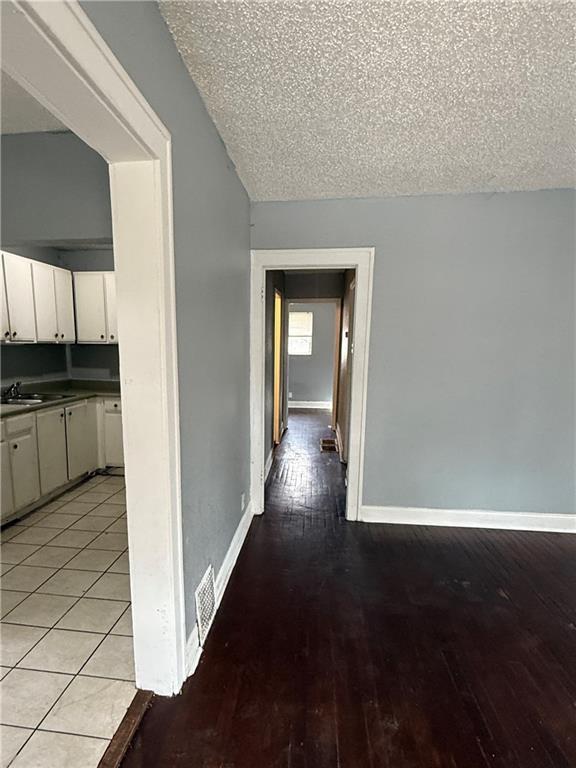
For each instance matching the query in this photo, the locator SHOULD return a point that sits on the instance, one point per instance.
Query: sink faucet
(12, 391)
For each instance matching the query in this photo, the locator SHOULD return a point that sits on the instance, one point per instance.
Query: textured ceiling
(21, 113)
(368, 99)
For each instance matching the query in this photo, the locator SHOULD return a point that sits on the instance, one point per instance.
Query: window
(300, 333)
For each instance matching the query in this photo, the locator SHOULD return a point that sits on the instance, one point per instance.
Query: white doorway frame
(360, 259)
(56, 54)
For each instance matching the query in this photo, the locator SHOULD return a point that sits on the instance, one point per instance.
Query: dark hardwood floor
(378, 646)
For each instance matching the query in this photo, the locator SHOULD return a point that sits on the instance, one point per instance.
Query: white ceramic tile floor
(51, 557)
(66, 630)
(12, 740)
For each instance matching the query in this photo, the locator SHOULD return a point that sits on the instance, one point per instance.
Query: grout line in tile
(71, 733)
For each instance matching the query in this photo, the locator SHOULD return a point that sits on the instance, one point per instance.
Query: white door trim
(360, 259)
(54, 51)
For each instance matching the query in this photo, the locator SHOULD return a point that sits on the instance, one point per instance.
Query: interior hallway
(354, 645)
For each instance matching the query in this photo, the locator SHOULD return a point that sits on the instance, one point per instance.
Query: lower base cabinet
(45, 450)
(6, 482)
(23, 460)
(81, 438)
(113, 445)
(51, 427)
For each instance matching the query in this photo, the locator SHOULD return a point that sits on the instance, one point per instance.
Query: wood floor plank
(376, 646)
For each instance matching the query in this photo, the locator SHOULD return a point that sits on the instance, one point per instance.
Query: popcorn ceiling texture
(370, 99)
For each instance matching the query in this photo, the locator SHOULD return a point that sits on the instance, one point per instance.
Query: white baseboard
(268, 465)
(317, 405)
(193, 647)
(470, 518)
(233, 552)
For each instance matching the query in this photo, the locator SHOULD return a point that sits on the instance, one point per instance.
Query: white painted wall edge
(317, 405)
(193, 647)
(268, 465)
(470, 518)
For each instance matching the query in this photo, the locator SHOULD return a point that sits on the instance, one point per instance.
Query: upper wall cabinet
(95, 295)
(64, 304)
(45, 302)
(19, 296)
(54, 301)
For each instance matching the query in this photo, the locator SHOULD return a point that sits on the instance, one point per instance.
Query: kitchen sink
(32, 399)
(44, 398)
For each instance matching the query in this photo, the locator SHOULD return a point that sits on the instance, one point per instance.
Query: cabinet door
(113, 446)
(20, 297)
(6, 482)
(24, 466)
(81, 438)
(51, 429)
(45, 302)
(5, 320)
(64, 305)
(111, 317)
(90, 307)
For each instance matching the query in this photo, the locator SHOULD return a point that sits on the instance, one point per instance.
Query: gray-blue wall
(471, 385)
(311, 377)
(212, 263)
(54, 188)
(212, 260)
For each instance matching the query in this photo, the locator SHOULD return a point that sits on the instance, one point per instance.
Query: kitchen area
(67, 672)
(56, 429)
(66, 642)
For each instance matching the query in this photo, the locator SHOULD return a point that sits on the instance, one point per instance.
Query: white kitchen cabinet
(64, 305)
(113, 445)
(95, 296)
(52, 457)
(45, 302)
(5, 320)
(7, 499)
(23, 457)
(19, 297)
(111, 317)
(81, 438)
(90, 307)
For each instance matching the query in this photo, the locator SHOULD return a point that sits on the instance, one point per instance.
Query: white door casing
(56, 54)
(360, 259)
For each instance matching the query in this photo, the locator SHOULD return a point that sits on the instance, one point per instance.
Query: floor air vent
(205, 604)
(327, 444)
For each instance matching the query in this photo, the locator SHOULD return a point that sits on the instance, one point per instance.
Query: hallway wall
(311, 377)
(471, 382)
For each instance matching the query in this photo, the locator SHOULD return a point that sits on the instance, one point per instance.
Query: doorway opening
(54, 52)
(310, 325)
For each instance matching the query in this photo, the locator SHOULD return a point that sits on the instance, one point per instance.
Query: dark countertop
(74, 389)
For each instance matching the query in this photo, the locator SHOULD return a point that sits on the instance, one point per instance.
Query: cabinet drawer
(112, 405)
(18, 424)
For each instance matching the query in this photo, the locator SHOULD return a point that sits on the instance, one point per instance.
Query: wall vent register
(205, 604)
